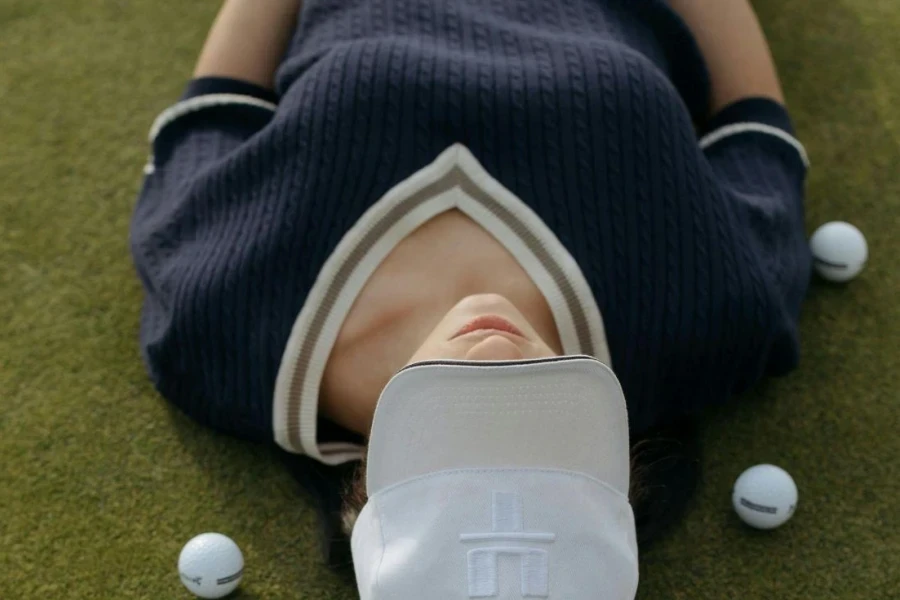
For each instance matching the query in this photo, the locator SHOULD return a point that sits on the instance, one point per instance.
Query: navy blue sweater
(689, 230)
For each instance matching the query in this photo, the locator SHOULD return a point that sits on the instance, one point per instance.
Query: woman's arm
(248, 39)
(734, 47)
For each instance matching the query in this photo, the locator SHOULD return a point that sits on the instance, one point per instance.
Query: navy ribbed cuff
(205, 86)
(752, 110)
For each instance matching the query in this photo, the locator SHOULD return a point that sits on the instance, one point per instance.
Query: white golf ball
(764, 496)
(211, 565)
(839, 251)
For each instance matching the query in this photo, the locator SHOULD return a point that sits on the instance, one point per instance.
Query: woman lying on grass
(559, 229)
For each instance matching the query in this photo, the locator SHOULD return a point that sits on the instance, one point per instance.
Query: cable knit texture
(586, 110)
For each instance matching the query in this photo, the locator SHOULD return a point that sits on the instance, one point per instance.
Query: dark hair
(665, 471)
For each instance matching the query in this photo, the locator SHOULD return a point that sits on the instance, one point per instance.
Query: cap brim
(565, 413)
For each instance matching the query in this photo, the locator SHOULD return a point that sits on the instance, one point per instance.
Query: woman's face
(483, 327)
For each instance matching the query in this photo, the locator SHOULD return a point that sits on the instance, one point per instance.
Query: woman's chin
(495, 347)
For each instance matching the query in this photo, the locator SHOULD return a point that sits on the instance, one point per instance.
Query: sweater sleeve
(184, 212)
(213, 119)
(761, 170)
(190, 140)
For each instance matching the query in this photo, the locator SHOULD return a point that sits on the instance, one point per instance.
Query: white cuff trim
(192, 105)
(737, 128)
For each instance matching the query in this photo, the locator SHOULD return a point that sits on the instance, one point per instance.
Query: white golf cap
(498, 479)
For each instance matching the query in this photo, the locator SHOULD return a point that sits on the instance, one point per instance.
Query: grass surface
(102, 483)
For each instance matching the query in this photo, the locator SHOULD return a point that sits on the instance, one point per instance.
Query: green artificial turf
(102, 483)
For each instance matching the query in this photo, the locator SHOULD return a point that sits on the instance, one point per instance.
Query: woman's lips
(492, 322)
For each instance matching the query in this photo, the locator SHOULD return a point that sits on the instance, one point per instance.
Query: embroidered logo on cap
(509, 538)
